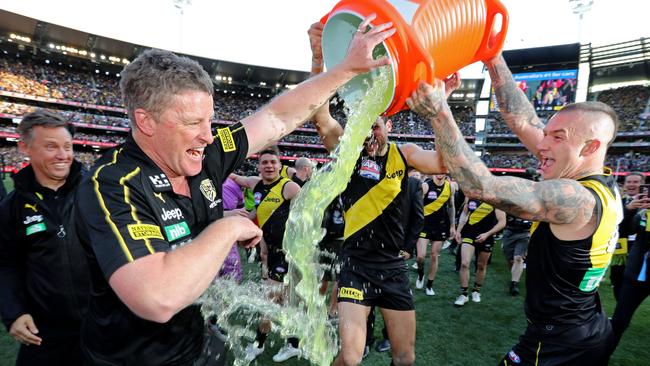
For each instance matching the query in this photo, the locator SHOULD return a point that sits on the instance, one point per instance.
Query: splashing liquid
(240, 307)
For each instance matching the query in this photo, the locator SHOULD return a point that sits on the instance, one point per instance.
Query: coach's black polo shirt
(128, 211)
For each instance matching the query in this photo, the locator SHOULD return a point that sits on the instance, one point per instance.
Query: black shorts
(384, 288)
(435, 231)
(277, 270)
(485, 246)
(537, 348)
(435, 235)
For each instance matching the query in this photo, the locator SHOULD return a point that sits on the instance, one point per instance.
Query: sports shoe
(286, 353)
(429, 291)
(383, 346)
(476, 296)
(252, 351)
(461, 300)
(419, 283)
(366, 352)
(415, 265)
(446, 245)
(514, 289)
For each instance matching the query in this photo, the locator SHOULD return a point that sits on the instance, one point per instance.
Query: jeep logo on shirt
(395, 174)
(35, 218)
(174, 214)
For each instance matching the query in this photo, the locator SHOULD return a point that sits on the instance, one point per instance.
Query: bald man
(303, 168)
(576, 207)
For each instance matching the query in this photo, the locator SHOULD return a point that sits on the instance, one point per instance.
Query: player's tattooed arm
(516, 109)
(560, 201)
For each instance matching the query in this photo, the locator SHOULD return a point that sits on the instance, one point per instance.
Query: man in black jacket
(44, 279)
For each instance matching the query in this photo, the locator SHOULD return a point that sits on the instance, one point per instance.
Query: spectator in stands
(44, 277)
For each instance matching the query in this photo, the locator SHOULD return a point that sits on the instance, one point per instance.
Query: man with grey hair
(304, 168)
(44, 276)
(577, 208)
(152, 219)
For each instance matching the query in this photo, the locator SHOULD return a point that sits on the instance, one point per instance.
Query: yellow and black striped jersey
(272, 209)
(284, 172)
(435, 202)
(481, 218)
(562, 277)
(374, 203)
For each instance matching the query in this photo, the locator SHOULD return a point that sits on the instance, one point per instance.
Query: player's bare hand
(248, 234)
(315, 33)
(359, 58)
(428, 100)
(481, 237)
(452, 83)
(236, 212)
(24, 330)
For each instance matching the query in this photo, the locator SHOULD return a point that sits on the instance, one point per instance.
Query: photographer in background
(634, 200)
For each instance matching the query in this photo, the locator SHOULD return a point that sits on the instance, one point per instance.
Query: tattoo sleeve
(558, 201)
(516, 109)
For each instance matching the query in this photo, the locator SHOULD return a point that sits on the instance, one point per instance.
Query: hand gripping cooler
(434, 39)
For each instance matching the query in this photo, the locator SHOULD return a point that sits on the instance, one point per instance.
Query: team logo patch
(280, 269)
(36, 228)
(227, 142)
(369, 169)
(177, 231)
(350, 293)
(258, 198)
(471, 205)
(432, 195)
(160, 181)
(144, 231)
(514, 357)
(209, 192)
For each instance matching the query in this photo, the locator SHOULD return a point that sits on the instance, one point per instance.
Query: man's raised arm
(516, 109)
(558, 201)
(287, 111)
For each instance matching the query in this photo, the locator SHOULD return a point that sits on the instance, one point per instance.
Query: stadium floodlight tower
(181, 4)
(580, 8)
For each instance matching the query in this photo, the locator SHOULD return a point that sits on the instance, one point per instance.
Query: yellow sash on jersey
(606, 234)
(479, 214)
(284, 172)
(271, 202)
(373, 203)
(441, 200)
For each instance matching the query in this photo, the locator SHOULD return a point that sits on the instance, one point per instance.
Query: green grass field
(477, 334)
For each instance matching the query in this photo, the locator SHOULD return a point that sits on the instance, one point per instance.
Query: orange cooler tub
(434, 39)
